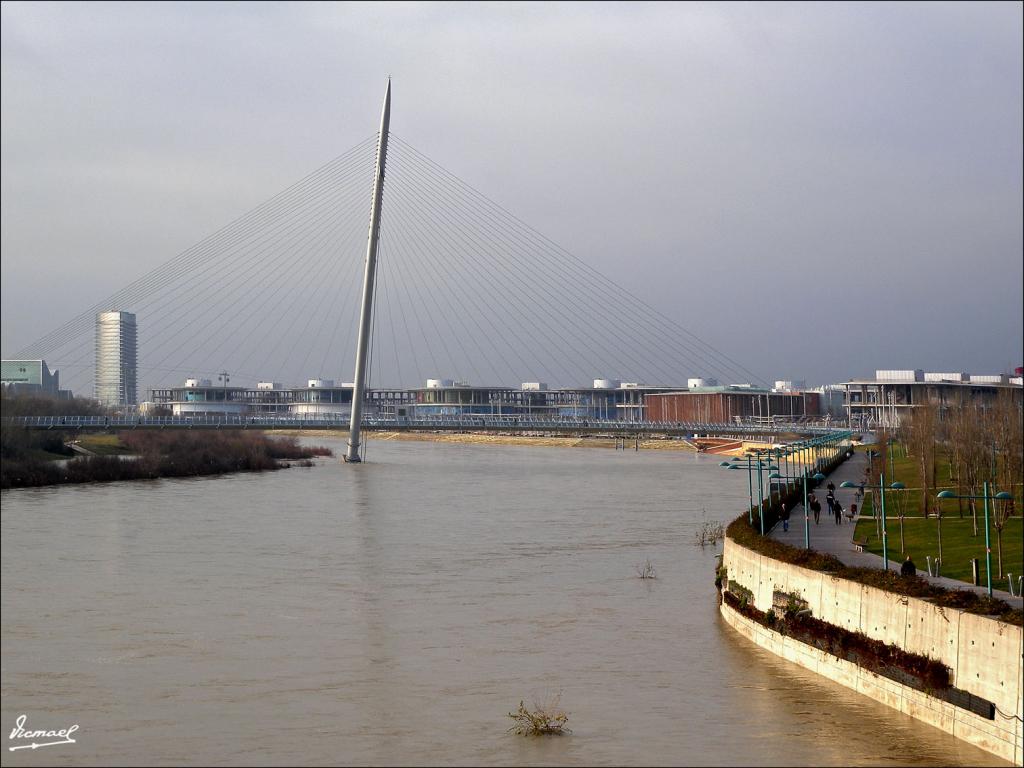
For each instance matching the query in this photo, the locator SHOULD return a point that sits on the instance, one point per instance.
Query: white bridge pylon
(362, 349)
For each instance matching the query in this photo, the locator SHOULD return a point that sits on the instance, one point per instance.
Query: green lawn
(908, 501)
(958, 544)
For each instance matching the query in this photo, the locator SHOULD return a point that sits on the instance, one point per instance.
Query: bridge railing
(448, 423)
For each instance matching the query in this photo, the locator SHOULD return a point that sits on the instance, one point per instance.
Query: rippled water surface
(394, 612)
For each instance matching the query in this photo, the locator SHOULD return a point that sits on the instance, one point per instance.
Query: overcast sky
(818, 190)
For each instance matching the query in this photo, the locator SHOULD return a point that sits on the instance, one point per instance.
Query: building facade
(607, 400)
(721, 405)
(886, 400)
(116, 358)
(30, 377)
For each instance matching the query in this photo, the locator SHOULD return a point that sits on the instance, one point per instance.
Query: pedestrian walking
(784, 515)
(831, 488)
(815, 508)
(837, 508)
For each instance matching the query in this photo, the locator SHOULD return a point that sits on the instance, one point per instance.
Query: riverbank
(480, 438)
(857, 545)
(809, 608)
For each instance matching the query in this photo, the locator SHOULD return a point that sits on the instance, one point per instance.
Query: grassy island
(49, 458)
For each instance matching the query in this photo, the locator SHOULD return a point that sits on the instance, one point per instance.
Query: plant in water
(646, 571)
(710, 532)
(541, 719)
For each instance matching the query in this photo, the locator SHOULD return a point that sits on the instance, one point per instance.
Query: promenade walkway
(838, 539)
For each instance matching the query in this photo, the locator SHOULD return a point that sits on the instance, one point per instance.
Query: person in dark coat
(815, 508)
(908, 568)
(837, 509)
(784, 516)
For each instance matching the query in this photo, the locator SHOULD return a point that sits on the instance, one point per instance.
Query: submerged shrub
(542, 719)
(646, 571)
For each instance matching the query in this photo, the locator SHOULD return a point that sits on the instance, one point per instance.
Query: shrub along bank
(161, 454)
(928, 674)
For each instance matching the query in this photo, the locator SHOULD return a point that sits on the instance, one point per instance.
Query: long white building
(884, 400)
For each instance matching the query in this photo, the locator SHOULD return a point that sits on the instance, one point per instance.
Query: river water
(395, 612)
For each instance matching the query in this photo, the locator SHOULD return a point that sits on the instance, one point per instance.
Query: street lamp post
(809, 448)
(820, 449)
(1002, 496)
(750, 486)
(881, 492)
(817, 476)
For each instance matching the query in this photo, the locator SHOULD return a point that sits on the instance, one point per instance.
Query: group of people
(834, 507)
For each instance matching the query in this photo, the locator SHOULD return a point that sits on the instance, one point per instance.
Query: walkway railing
(428, 423)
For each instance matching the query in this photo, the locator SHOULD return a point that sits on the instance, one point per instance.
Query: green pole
(988, 549)
(760, 494)
(790, 470)
(807, 522)
(885, 532)
(750, 488)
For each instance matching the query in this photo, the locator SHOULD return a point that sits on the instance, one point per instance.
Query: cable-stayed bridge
(448, 284)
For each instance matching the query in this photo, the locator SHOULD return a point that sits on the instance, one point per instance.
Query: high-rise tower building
(116, 358)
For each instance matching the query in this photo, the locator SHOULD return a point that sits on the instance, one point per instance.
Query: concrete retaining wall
(985, 655)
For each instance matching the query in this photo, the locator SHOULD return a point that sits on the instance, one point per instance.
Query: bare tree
(921, 443)
(901, 512)
(881, 453)
(969, 433)
(1005, 426)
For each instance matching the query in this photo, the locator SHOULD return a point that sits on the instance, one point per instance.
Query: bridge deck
(460, 424)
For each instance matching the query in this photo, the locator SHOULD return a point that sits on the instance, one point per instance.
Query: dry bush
(646, 570)
(542, 719)
(710, 532)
